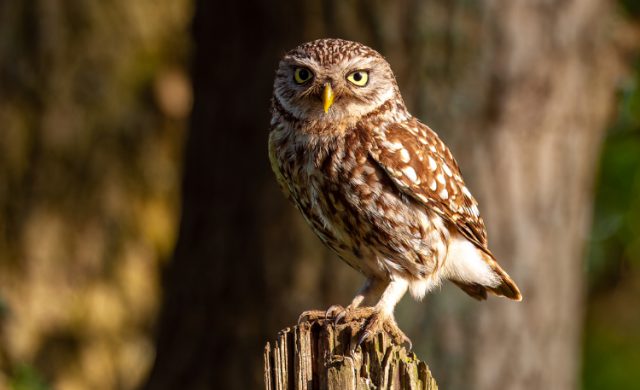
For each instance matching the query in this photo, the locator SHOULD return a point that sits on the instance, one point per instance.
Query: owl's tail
(506, 287)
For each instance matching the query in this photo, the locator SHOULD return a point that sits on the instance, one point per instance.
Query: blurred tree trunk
(526, 118)
(245, 265)
(519, 89)
(89, 170)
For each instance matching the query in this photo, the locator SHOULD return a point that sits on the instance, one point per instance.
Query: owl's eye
(359, 78)
(302, 75)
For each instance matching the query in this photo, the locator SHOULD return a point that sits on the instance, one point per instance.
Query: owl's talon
(350, 313)
(338, 318)
(311, 315)
(380, 322)
(409, 343)
(372, 327)
(333, 312)
(375, 322)
(366, 335)
(398, 336)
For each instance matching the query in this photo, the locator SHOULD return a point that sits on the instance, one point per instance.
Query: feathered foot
(335, 312)
(376, 321)
(372, 320)
(369, 321)
(314, 315)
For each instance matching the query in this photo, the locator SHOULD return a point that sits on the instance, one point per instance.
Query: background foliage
(612, 337)
(93, 101)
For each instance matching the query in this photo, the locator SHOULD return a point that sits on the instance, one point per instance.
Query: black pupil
(357, 76)
(303, 74)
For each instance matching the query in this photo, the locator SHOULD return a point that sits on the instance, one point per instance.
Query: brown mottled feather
(375, 184)
(474, 290)
(422, 167)
(436, 172)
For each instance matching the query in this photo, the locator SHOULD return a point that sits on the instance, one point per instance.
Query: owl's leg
(376, 318)
(380, 317)
(372, 288)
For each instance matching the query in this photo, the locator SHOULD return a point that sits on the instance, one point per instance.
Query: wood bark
(520, 90)
(321, 355)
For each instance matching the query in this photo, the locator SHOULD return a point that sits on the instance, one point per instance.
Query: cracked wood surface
(318, 355)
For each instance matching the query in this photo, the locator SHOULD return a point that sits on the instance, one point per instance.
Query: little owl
(376, 185)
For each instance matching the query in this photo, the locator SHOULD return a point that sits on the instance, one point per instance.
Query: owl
(375, 184)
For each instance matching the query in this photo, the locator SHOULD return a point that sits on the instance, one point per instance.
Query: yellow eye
(302, 75)
(359, 77)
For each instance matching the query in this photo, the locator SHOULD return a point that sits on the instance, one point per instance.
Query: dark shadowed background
(144, 242)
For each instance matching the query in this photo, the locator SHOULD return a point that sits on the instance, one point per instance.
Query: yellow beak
(327, 97)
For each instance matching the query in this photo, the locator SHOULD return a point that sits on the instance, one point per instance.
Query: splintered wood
(318, 355)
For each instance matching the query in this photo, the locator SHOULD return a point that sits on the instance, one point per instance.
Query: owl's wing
(273, 159)
(422, 167)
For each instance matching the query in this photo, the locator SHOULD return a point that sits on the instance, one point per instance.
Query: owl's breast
(354, 207)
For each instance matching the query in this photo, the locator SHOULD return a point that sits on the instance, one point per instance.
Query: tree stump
(318, 355)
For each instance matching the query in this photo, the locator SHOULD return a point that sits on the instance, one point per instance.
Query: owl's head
(333, 80)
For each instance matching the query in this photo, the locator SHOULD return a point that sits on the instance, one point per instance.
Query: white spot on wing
(404, 155)
(432, 164)
(394, 146)
(440, 178)
(444, 194)
(446, 170)
(410, 173)
(433, 185)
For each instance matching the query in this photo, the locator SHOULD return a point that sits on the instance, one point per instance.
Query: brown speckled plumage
(374, 183)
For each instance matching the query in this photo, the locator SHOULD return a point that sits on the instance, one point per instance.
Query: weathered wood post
(318, 355)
